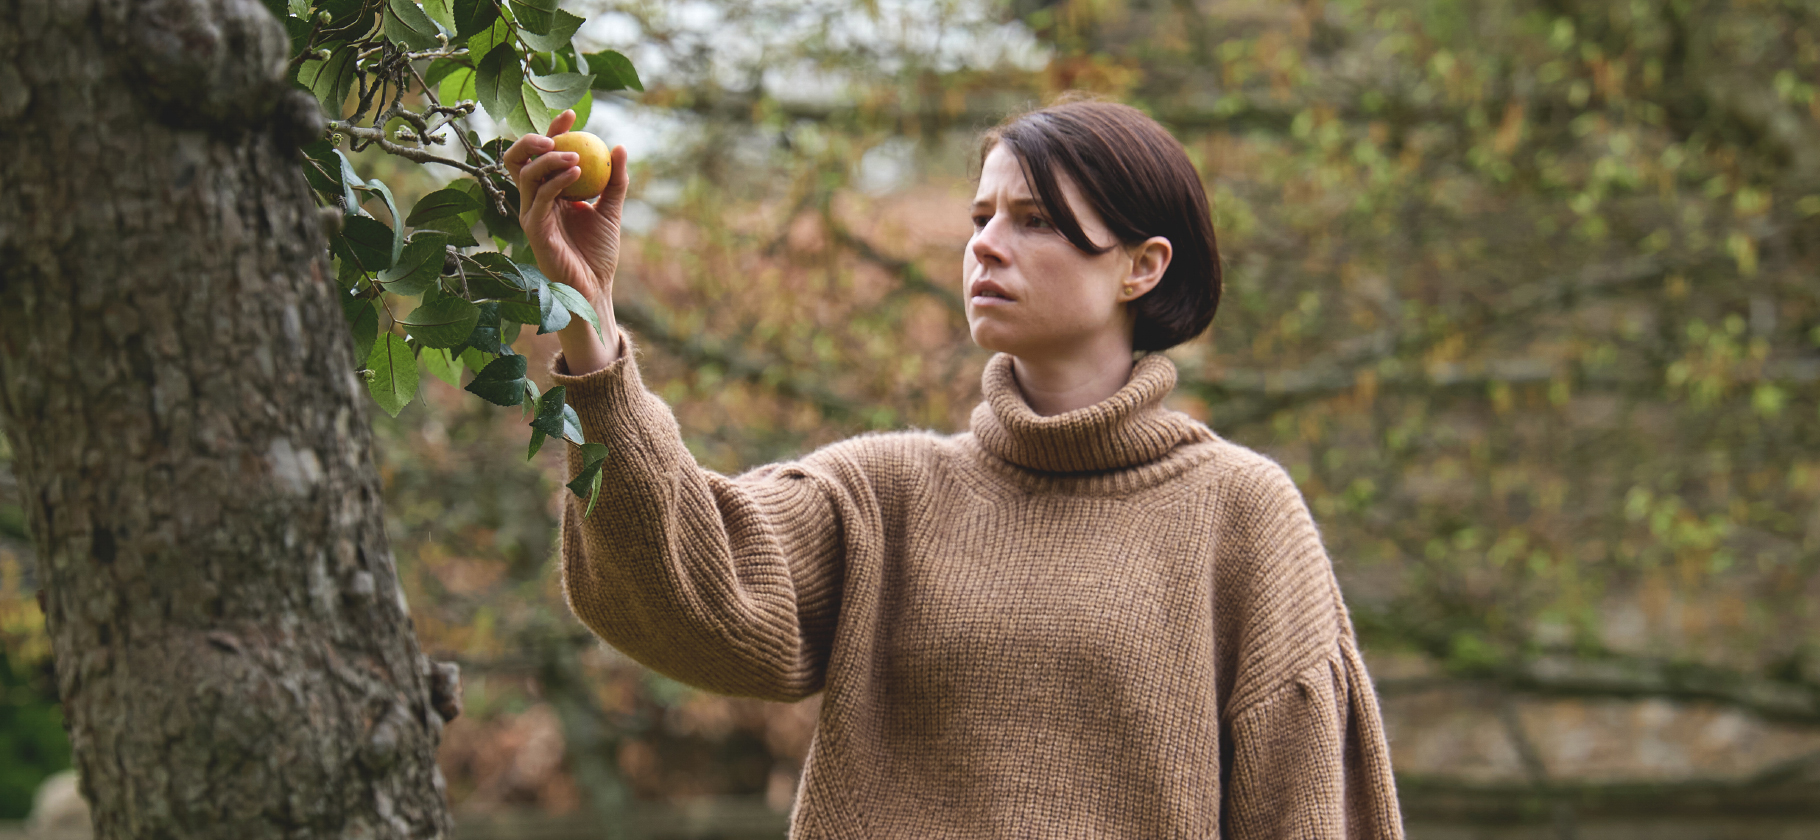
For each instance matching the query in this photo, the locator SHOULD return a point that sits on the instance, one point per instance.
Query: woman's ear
(1149, 260)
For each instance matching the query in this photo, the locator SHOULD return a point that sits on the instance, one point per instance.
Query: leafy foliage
(402, 76)
(33, 744)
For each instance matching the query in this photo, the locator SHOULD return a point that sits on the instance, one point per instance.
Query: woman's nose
(988, 245)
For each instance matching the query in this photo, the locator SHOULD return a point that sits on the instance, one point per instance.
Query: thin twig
(377, 137)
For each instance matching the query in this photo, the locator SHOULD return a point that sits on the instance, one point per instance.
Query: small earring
(1127, 290)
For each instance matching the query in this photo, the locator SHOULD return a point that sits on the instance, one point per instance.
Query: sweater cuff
(598, 395)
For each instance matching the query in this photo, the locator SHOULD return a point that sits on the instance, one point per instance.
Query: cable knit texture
(1109, 623)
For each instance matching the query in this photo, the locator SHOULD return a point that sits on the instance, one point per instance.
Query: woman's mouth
(988, 293)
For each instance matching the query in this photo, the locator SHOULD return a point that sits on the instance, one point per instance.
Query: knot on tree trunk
(445, 689)
(217, 64)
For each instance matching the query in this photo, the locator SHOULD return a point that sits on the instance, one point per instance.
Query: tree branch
(693, 351)
(377, 136)
(1625, 677)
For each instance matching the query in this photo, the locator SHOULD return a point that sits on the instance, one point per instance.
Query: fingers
(563, 122)
(546, 194)
(529, 146)
(523, 149)
(534, 185)
(532, 177)
(546, 165)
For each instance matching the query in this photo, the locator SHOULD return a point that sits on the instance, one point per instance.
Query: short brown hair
(1138, 177)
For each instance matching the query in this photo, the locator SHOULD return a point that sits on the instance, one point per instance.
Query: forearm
(691, 573)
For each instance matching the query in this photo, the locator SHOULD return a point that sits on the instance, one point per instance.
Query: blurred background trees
(1522, 292)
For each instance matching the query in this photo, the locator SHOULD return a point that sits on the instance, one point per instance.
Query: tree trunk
(234, 655)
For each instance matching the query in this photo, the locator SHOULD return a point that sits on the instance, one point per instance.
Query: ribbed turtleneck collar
(1127, 429)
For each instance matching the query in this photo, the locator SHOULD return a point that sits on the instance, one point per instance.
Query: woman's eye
(980, 221)
(1038, 222)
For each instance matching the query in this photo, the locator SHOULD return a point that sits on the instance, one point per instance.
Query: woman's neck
(1059, 384)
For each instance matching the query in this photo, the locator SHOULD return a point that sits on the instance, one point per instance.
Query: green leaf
(442, 365)
(584, 109)
(391, 206)
(498, 83)
(452, 210)
(519, 312)
(418, 266)
(299, 31)
(560, 91)
(549, 412)
(485, 282)
(512, 273)
(571, 425)
(535, 16)
(347, 272)
(458, 229)
(341, 12)
(501, 382)
(529, 115)
(330, 80)
(332, 174)
(444, 322)
(441, 68)
(553, 315)
(529, 402)
(394, 380)
(475, 360)
(363, 322)
(298, 8)
(442, 204)
(441, 11)
(562, 28)
(352, 306)
(501, 225)
(536, 444)
(586, 484)
(533, 275)
(405, 23)
(458, 85)
(385, 195)
(593, 494)
(575, 302)
(472, 16)
(326, 169)
(369, 240)
(483, 41)
(612, 71)
(485, 337)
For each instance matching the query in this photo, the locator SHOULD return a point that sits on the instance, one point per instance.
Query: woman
(1089, 616)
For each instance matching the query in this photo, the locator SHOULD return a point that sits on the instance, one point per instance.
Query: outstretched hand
(575, 242)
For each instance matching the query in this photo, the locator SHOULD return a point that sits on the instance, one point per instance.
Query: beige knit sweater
(1108, 623)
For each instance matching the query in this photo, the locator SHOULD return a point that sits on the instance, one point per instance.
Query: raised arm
(730, 584)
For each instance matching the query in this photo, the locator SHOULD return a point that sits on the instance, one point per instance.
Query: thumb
(613, 195)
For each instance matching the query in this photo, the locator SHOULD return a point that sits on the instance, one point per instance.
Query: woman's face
(1029, 291)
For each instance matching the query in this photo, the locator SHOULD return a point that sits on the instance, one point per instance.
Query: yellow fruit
(596, 163)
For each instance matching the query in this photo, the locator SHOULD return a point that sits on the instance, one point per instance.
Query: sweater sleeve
(1310, 761)
(1305, 752)
(728, 584)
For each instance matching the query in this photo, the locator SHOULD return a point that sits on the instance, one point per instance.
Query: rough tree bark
(234, 655)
